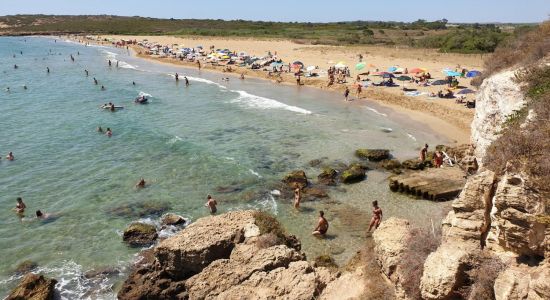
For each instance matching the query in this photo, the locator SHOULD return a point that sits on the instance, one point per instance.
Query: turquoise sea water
(234, 140)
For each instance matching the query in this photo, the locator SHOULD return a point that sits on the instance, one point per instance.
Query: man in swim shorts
(211, 204)
(322, 225)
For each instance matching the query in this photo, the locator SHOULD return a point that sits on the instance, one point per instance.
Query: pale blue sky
(296, 10)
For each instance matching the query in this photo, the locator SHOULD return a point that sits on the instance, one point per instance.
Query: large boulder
(353, 174)
(373, 154)
(172, 220)
(390, 164)
(328, 176)
(33, 287)
(296, 178)
(202, 242)
(523, 282)
(140, 234)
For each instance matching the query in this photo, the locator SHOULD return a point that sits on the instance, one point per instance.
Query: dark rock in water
(360, 165)
(391, 164)
(33, 287)
(412, 164)
(25, 267)
(101, 272)
(315, 162)
(373, 154)
(229, 189)
(352, 174)
(140, 210)
(140, 234)
(296, 178)
(327, 176)
(337, 165)
(314, 192)
(172, 219)
(325, 261)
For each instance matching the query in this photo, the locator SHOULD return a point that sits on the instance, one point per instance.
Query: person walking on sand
(359, 90)
(423, 153)
(211, 204)
(297, 197)
(346, 93)
(322, 225)
(20, 206)
(376, 216)
(141, 183)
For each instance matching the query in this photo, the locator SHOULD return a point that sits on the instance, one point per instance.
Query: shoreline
(453, 128)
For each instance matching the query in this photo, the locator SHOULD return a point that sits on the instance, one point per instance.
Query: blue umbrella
(466, 91)
(473, 73)
(452, 73)
(392, 69)
(388, 75)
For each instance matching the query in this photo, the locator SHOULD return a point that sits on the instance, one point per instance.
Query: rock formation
(33, 287)
(140, 234)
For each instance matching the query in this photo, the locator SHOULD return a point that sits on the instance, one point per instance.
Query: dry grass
(526, 48)
(267, 240)
(482, 277)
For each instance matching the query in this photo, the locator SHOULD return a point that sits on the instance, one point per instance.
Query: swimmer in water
(117, 63)
(376, 216)
(48, 70)
(24, 87)
(99, 129)
(109, 62)
(95, 81)
(20, 206)
(86, 71)
(102, 88)
(242, 75)
(211, 204)
(133, 83)
(10, 156)
(15, 66)
(177, 77)
(108, 133)
(297, 197)
(141, 183)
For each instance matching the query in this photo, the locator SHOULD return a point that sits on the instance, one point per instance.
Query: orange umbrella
(418, 70)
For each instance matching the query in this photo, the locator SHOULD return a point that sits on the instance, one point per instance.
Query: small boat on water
(141, 100)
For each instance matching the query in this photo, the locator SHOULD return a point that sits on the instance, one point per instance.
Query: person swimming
(48, 70)
(102, 88)
(86, 71)
(141, 183)
(95, 81)
(322, 225)
(109, 133)
(24, 87)
(15, 66)
(10, 156)
(99, 129)
(133, 83)
(211, 204)
(109, 62)
(20, 206)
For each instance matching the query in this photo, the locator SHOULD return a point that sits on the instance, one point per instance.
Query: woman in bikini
(376, 216)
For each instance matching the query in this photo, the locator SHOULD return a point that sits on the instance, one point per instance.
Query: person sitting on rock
(322, 225)
(211, 204)
(376, 216)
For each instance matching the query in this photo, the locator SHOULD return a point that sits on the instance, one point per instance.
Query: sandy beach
(446, 116)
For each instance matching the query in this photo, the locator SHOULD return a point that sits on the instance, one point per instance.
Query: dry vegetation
(481, 277)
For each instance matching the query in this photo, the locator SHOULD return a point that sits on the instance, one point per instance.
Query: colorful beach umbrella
(418, 70)
(276, 64)
(340, 64)
(360, 66)
(392, 69)
(473, 73)
(388, 75)
(451, 73)
(403, 78)
(466, 91)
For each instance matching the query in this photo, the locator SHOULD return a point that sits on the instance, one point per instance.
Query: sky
(466, 11)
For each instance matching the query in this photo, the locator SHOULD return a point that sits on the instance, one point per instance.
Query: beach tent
(360, 66)
(473, 73)
(298, 63)
(466, 91)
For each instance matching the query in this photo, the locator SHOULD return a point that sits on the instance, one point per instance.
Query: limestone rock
(172, 220)
(327, 176)
(140, 234)
(352, 174)
(296, 178)
(202, 242)
(349, 286)
(391, 164)
(523, 282)
(498, 97)
(412, 164)
(373, 154)
(33, 287)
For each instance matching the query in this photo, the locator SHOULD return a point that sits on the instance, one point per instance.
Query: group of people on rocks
(437, 158)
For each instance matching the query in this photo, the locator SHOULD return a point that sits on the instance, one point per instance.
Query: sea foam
(259, 102)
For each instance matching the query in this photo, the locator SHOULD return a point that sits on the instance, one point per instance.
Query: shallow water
(237, 136)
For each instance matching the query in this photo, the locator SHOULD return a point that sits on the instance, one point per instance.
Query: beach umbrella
(403, 78)
(380, 73)
(399, 71)
(392, 69)
(360, 66)
(298, 63)
(388, 75)
(311, 68)
(372, 66)
(418, 70)
(451, 73)
(439, 82)
(473, 73)
(466, 91)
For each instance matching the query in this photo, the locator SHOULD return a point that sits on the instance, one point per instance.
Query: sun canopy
(311, 68)
(392, 69)
(276, 64)
(340, 65)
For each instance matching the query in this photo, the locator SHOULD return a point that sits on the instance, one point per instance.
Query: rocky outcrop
(373, 154)
(172, 220)
(523, 282)
(498, 97)
(353, 174)
(140, 234)
(296, 178)
(33, 287)
(327, 176)
(237, 255)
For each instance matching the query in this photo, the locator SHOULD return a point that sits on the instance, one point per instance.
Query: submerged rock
(373, 154)
(328, 176)
(353, 174)
(33, 287)
(140, 234)
(25, 267)
(296, 178)
(140, 210)
(172, 220)
(391, 164)
(315, 192)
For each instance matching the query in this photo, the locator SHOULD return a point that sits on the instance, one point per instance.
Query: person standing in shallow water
(20, 206)
(423, 153)
(346, 93)
(211, 204)
(322, 225)
(297, 197)
(376, 216)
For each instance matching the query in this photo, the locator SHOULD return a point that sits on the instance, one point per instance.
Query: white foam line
(411, 136)
(255, 173)
(265, 103)
(375, 111)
